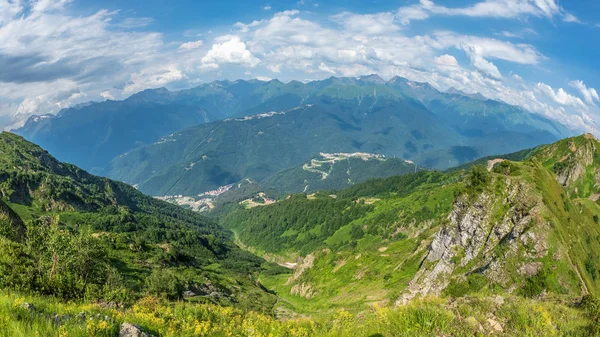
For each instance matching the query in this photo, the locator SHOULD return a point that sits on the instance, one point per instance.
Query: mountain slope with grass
(86, 256)
(524, 228)
(334, 171)
(70, 234)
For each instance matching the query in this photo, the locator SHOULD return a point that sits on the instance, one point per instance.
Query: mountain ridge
(157, 112)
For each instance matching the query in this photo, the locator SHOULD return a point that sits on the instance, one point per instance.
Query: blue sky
(538, 54)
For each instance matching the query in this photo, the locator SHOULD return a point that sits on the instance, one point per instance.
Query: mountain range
(195, 140)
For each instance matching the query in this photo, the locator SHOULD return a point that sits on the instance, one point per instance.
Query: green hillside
(72, 235)
(334, 171)
(468, 252)
(525, 228)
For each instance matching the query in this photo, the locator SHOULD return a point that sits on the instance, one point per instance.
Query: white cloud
(153, 77)
(489, 8)
(446, 60)
(560, 96)
(484, 65)
(367, 24)
(489, 48)
(107, 95)
(9, 9)
(191, 45)
(518, 34)
(571, 18)
(589, 94)
(231, 50)
(130, 23)
(410, 13)
(267, 8)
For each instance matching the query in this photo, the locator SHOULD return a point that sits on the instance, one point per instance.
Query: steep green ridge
(526, 228)
(367, 114)
(73, 235)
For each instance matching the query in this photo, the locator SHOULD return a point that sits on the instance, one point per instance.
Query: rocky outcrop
(571, 167)
(482, 232)
(132, 330)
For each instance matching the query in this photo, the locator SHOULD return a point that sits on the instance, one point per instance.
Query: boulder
(132, 330)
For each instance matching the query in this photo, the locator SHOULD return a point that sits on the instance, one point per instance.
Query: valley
(417, 252)
(299, 168)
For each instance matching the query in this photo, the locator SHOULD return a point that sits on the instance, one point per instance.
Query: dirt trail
(584, 289)
(493, 162)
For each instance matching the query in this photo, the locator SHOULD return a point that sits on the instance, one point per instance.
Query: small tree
(478, 178)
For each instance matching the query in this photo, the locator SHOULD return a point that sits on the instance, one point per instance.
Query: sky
(537, 54)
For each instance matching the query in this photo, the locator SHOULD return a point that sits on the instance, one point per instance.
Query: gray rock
(132, 330)
(189, 293)
(27, 306)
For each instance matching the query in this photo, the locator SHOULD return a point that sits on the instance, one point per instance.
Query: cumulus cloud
(153, 77)
(589, 94)
(446, 60)
(560, 96)
(191, 45)
(231, 50)
(367, 24)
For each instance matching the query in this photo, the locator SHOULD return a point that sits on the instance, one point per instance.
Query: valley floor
(467, 316)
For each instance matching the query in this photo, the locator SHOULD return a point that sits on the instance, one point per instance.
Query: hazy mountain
(397, 118)
(91, 135)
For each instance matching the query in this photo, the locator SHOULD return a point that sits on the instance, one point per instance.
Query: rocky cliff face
(571, 167)
(484, 233)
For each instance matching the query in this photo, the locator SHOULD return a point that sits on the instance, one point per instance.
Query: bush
(474, 283)
(164, 283)
(478, 178)
(535, 285)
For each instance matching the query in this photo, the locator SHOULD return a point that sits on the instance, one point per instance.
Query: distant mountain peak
(477, 96)
(373, 78)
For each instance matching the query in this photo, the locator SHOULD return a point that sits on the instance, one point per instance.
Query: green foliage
(478, 178)
(424, 317)
(534, 285)
(473, 284)
(356, 233)
(91, 238)
(164, 283)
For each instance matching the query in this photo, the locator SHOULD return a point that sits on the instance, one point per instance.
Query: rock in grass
(27, 306)
(132, 330)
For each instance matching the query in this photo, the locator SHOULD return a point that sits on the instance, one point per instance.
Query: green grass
(467, 316)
